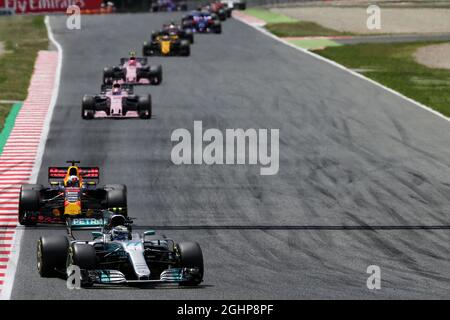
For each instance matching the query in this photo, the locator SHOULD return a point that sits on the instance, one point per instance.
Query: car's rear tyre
(191, 256)
(189, 36)
(29, 200)
(116, 197)
(51, 254)
(185, 48)
(88, 107)
(145, 107)
(156, 74)
(186, 24)
(217, 28)
(146, 50)
(108, 74)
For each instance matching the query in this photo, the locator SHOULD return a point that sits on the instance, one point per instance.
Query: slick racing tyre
(185, 48)
(108, 74)
(29, 200)
(189, 35)
(145, 107)
(154, 35)
(51, 254)
(147, 49)
(217, 28)
(83, 256)
(187, 24)
(88, 107)
(191, 256)
(156, 74)
(116, 197)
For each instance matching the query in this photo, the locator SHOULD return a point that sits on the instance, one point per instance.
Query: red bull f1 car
(134, 71)
(115, 255)
(116, 101)
(72, 192)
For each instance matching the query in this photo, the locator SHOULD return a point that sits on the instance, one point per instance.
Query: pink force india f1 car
(134, 71)
(116, 101)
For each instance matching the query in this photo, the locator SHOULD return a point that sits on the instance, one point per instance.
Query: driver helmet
(73, 181)
(119, 233)
(132, 61)
(116, 89)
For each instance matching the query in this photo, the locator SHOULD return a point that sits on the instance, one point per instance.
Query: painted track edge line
(8, 283)
(340, 66)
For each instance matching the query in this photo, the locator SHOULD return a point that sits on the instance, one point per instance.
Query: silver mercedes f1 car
(115, 255)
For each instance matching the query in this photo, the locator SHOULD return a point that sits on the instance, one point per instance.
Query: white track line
(15, 251)
(334, 63)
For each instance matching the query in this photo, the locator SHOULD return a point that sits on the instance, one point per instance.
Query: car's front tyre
(51, 254)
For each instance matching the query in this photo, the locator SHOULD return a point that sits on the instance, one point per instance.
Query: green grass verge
(23, 37)
(10, 118)
(302, 29)
(393, 65)
(268, 16)
(4, 110)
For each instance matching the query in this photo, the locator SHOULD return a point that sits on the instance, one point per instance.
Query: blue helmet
(120, 233)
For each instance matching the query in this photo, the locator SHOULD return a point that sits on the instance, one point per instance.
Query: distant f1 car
(202, 22)
(116, 101)
(166, 44)
(173, 29)
(235, 4)
(169, 5)
(133, 71)
(217, 8)
(116, 256)
(73, 192)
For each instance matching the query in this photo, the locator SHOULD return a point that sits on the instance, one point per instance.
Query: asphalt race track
(364, 175)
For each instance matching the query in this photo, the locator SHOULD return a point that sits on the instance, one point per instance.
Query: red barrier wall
(41, 6)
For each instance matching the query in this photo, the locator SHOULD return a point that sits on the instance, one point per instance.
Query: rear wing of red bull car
(86, 173)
